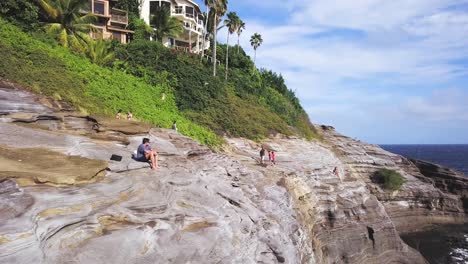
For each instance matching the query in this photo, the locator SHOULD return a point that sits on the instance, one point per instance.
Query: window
(153, 6)
(166, 5)
(189, 11)
(179, 10)
(99, 8)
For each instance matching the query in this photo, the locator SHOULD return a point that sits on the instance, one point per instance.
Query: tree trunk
(204, 33)
(227, 56)
(255, 55)
(255, 58)
(214, 43)
(238, 43)
(190, 39)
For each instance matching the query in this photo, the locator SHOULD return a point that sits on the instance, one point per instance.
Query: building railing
(121, 18)
(185, 49)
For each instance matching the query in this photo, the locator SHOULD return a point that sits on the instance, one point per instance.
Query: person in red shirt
(272, 157)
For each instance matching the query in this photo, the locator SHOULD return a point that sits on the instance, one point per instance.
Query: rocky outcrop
(445, 179)
(418, 204)
(344, 220)
(201, 206)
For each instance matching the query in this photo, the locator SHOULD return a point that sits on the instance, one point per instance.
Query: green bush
(21, 13)
(243, 106)
(55, 71)
(390, 179)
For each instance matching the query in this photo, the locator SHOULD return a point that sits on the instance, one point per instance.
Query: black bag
(116, 157)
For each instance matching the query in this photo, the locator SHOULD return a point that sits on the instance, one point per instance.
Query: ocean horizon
(453, 156)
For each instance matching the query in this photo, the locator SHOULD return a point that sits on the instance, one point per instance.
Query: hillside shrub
(55, 71)
(389, 179)
(242, 106)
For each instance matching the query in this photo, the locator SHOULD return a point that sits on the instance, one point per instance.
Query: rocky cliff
(63, 200)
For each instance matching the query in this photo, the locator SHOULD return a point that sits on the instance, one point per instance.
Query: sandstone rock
(202, 206)
(418, 205)
(445, 179)
(38, 165)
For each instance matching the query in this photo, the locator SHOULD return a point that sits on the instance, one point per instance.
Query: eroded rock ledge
(201, 206)
(425, 199)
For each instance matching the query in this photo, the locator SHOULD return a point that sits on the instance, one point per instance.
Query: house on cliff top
(192, 18)
(111, 22)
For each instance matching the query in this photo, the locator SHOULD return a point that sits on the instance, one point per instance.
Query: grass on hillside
(54, 71)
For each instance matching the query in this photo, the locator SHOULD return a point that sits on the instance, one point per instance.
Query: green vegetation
(67, 23)
(164, 24)
(54, 71)
(248, 105)
(217, 10)
(156, 83)
(390, 179)
(24, 14)
(256, 40)
(232, 23)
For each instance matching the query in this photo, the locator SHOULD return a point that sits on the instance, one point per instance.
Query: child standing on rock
(272, 157)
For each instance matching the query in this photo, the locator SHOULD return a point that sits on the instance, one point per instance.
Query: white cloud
(447, 104)
(345, 57)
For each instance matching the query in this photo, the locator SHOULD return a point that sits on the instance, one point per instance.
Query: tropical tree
(67, 21)
(140, 28)
(132, 6)
(99, 52)
(164, 24)
(205, 31)
(239, 32)
(256, 40)
(21, 13)
(217, 9)
(232, 23)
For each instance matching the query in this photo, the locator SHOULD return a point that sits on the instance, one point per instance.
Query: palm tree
(232, 23)
(67, 22)
(205, 33)
(217, 8)
(164, 24)
(256, 40)
(99, 52)
(239, 32)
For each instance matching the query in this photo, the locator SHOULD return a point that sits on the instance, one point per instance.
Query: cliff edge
(63, 200)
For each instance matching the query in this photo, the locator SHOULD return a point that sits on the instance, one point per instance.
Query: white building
(191, 16)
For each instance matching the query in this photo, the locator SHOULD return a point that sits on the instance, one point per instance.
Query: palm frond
(49, 7)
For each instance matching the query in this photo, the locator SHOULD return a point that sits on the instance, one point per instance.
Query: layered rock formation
(420, 202)
(200, 207)
(57, 204)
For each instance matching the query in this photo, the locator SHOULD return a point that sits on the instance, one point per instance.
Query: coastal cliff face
(62, 200)
(431, 194)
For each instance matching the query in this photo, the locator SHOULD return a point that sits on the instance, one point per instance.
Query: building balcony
(119, 16)
(180, 12)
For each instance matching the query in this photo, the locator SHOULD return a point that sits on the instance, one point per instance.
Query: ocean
(445, 244)
(451, 156)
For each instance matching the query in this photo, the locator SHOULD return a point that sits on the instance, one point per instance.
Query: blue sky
(378, 70)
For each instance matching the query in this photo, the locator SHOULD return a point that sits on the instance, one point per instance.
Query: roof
(196, 5)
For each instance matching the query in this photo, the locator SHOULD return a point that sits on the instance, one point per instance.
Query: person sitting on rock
(174, 125)
(129, 116)
(119, 115)
(145, 153)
